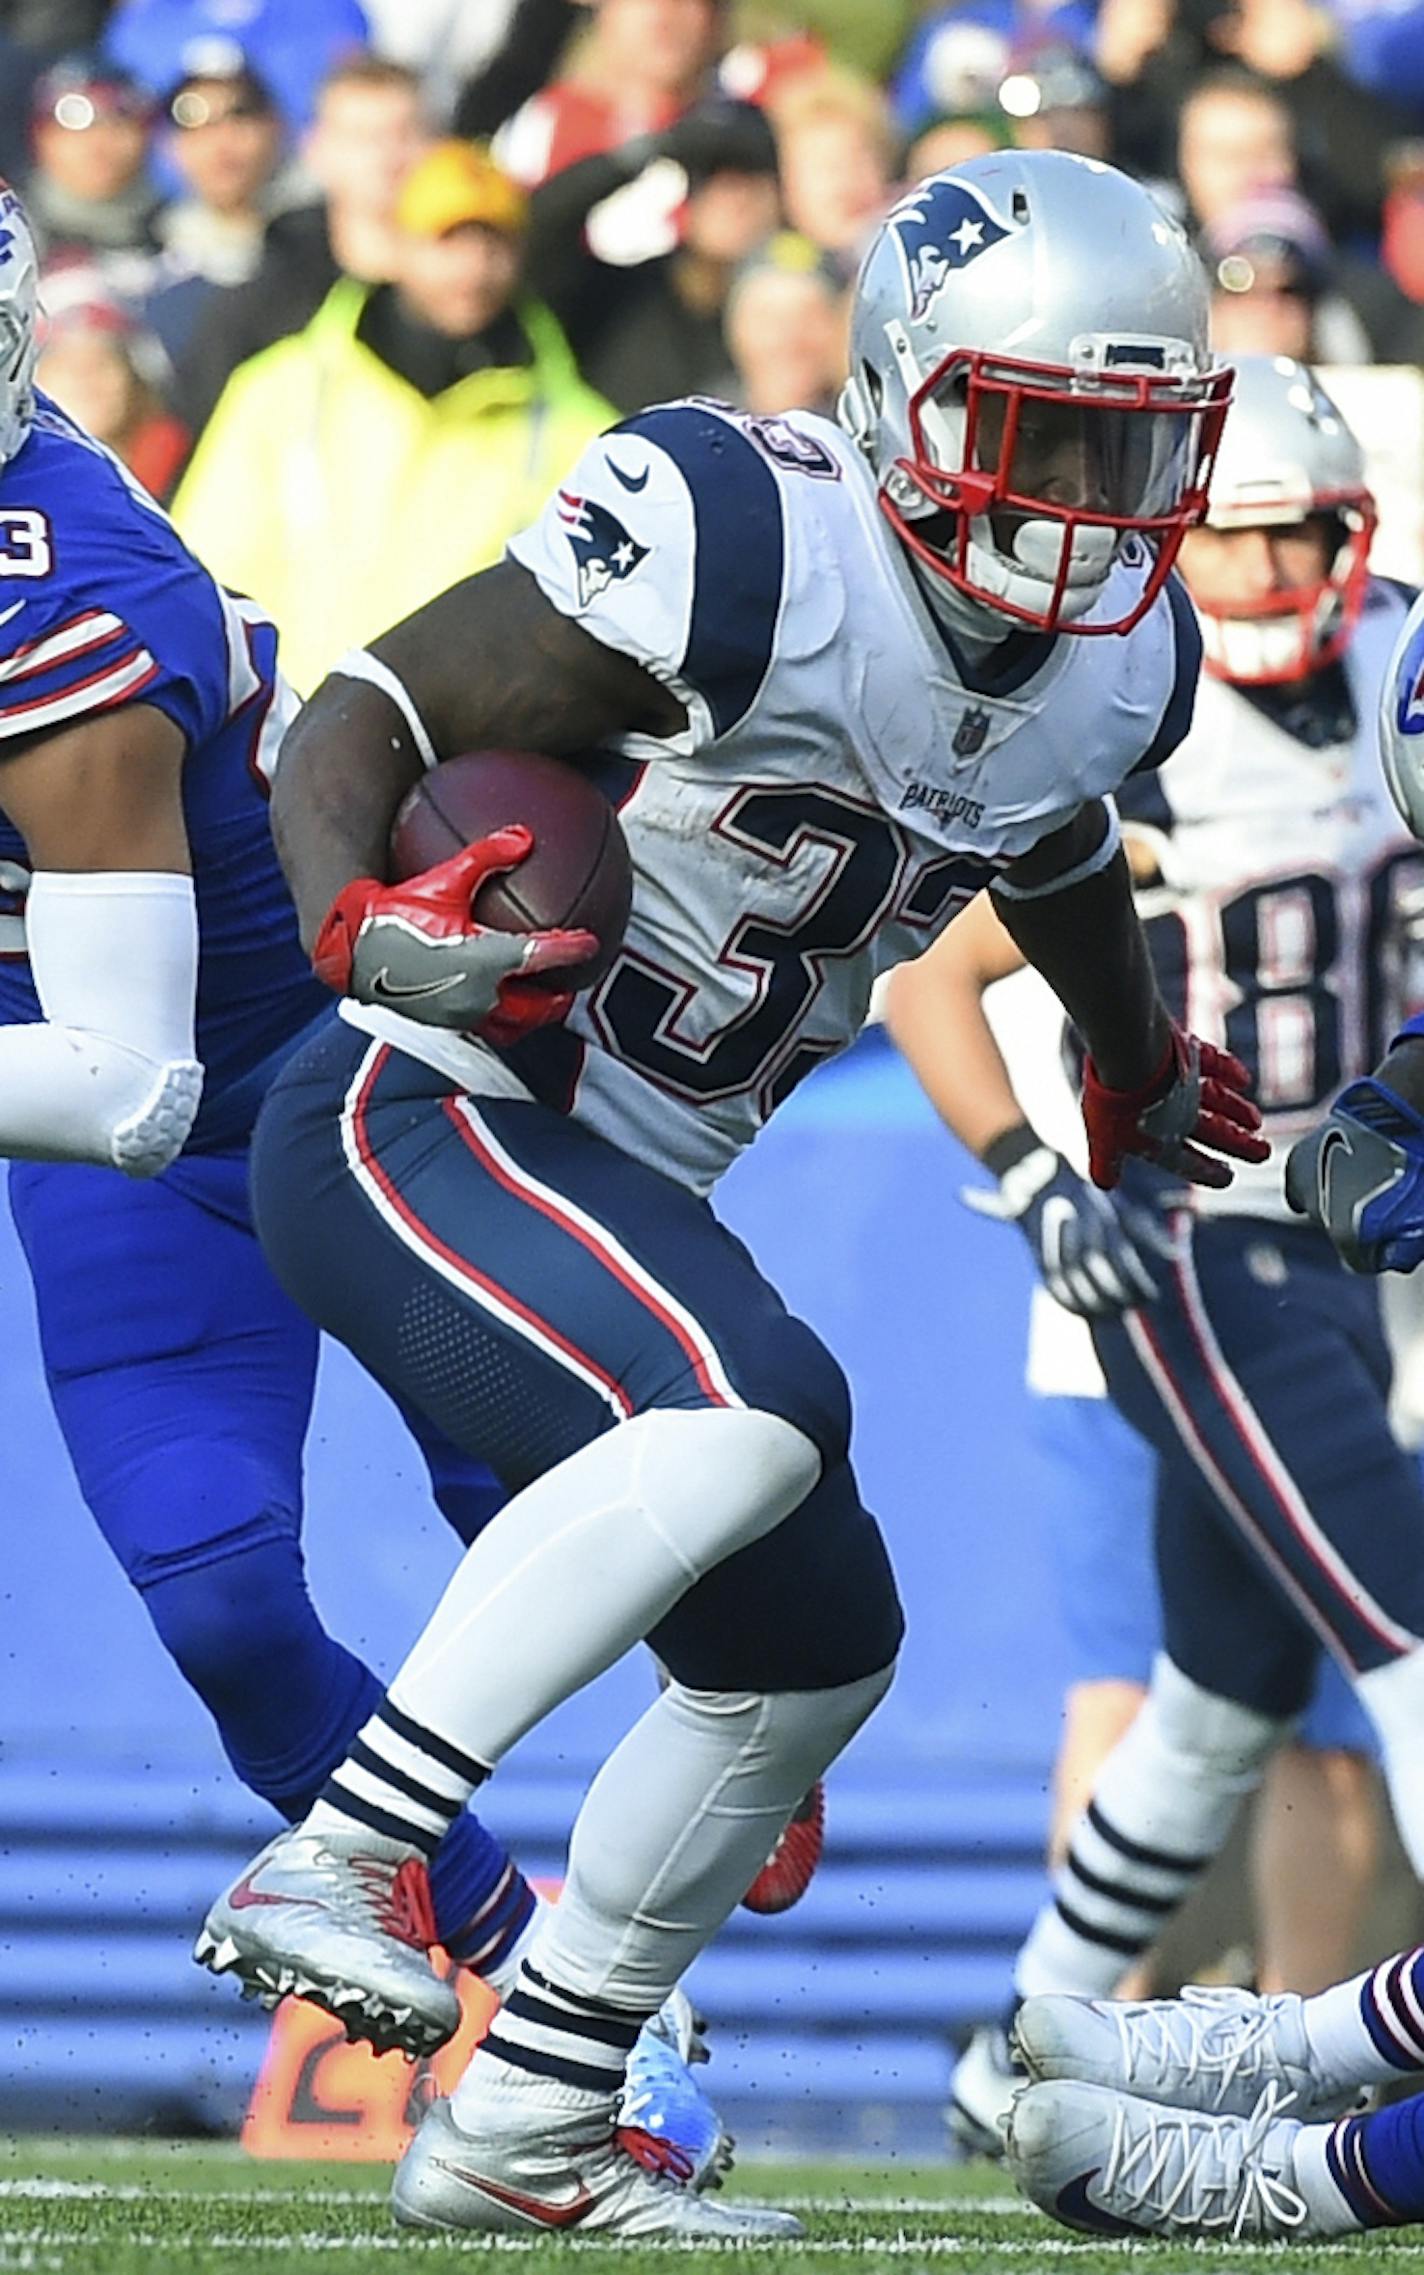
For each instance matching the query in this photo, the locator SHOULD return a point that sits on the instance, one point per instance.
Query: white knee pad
(1205, 1732)
(1393, 1697)
(713, 1480)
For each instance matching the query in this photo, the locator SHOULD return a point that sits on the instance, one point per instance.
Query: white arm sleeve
(111, 1074)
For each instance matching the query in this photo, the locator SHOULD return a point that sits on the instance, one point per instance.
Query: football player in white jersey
(837, 680)
(1287, 1517)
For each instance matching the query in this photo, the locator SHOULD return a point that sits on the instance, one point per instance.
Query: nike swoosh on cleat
(243, 1896)
(633, 482)
(1077, 2209)
(535, 2208)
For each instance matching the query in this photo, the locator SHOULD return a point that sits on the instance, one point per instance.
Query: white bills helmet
(19, 294)
(1031, 382)
(1401, 720)
(1286, 456)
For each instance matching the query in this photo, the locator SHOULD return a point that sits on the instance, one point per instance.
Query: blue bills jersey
(102, 604)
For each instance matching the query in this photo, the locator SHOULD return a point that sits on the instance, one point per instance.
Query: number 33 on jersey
(842, 784)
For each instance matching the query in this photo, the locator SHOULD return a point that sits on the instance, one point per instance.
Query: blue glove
(1360, 1177)
(1090, 1251)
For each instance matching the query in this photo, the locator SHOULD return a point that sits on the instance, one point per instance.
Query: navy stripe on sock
(1135, 1900)
(1128, 1945)
(439, 1804)
(579, 2002)
(439, 1749)
(551, 2065)
(1159, 1858)
(620, 2035)
(378, 1820)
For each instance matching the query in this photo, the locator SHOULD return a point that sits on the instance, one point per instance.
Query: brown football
(579, 875)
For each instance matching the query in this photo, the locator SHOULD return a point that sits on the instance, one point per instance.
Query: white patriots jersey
(1291, 910)
(842, 786)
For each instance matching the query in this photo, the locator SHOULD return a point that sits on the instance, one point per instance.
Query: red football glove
(1197, 1092)
(416, 948)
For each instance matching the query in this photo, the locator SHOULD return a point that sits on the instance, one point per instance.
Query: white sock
(1330, 2210)
(502, 1975)
(673, 1830)
(1370, 2029)
(1161, 1809)
(1393, 1697)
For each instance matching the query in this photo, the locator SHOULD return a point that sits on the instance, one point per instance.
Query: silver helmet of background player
(1401, 720)
(19, 303)
(1286, 456)
(1031, 382)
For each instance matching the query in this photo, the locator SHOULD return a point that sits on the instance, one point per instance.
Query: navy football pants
(1287, 1516)
(527, 1287)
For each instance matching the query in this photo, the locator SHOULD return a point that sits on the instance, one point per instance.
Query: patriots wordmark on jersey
(1289, 921)
(101, 605)
(844, 781)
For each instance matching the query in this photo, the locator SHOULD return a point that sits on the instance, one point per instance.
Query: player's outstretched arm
(110, 1075)
(490, 664)
(1148, 1088)
(1091, 1256)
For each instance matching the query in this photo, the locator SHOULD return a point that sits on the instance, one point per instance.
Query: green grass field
(132, 2208)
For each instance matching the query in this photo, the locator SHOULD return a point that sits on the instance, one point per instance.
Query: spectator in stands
(106, 372)
(89, 195)
(1279, 287)
(1055, 100)
(786, 329)
(839, 152)
(1234, 138)
(396, 443)
(950, 140)
(643, 64)
(226, 142)
(294, 44)
(648, 330)
(369, 130)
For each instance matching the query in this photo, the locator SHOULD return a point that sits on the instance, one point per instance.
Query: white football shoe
(535, 2166)
(1111, 2164)
(342, 1919)
(1215, 2050)
(983, 2085)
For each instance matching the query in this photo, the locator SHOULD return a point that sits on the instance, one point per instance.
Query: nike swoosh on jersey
(383, 984)
(243, 1896)
(7, 613)
(633, 482)
(536, 2208)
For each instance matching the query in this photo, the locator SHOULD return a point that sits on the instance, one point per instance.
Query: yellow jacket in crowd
(339, 498)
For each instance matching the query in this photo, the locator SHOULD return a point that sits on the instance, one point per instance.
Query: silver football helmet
(1401, 720)
(19, 303)
(1286, 456)
(1030, 380)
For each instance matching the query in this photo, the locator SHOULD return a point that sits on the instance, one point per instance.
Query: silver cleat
(1212, 2049)
(538, 2166)
(342, 1919)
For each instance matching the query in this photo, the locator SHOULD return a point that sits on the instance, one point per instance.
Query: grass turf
(152, 2208)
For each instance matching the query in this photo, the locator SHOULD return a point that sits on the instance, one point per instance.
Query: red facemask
(1324, 612)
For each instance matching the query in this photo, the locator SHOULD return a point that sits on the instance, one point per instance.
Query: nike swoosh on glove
(1360, 1177)
(416, 948)
(1089, 1251)
(1194, 1109)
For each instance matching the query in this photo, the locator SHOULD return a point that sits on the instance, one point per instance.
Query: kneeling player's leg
(184, 1409)
(1235, 1670)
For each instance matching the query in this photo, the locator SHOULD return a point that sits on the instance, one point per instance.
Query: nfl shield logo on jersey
(602, 547)
(940, 228)
(969, 735)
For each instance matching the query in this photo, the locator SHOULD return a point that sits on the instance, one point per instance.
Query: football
(579, 875)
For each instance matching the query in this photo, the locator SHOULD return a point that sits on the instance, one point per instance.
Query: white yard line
(899, 2246)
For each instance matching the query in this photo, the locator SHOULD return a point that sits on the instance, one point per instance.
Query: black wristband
(1009, 1149)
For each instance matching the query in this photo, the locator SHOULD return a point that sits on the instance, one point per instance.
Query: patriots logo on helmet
(940, 228)
(1409, 683)
(603, 551)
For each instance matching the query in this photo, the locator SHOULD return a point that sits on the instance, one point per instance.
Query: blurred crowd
(351, 282)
